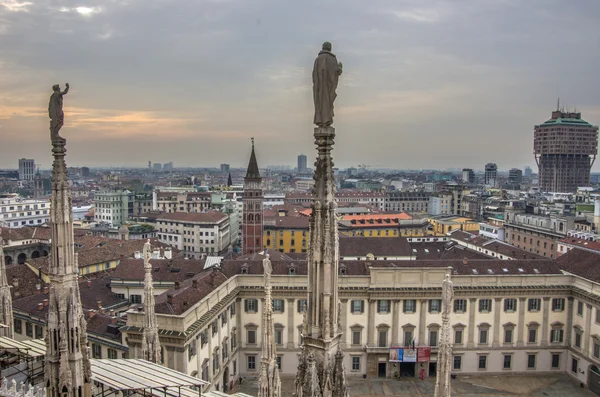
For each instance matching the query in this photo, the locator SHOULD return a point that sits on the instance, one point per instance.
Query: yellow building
(286, 233)
(444, 224)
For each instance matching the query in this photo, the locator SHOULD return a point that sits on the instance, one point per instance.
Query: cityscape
(260, 265)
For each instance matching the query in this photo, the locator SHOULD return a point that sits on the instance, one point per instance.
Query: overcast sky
(426, 83)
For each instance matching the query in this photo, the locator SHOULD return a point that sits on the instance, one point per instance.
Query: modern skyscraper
(225, 168)
(302, 163)
(468, 176)
(528, 171)
(565, 148)
(26, 169)
(252, 224)
(515, 176)
(491, 174)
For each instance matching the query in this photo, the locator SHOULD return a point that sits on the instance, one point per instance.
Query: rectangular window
(598, 316)
(410, 305)
(510, 305)
(555, 360)
(507, 361)
(578, 340)
(460, 305)
(112, 354)
(457, 362)
(558, 304)
(485, 305)
(532, 335)
(407, 338)
(433, 338)
(301, 305)
(96, 350)
(574, 365)
(383, 306)
(534, 305)
(251, 334)
(278, 305)
(382, 341)
(596, 350)
(356, 363)
(251, 305)
(278, 361)
(29, 329)
(508, 334)
(482, 362)
(580, 308)
(483, 336)
(38, 332)
(356, 337)
(556, 335)
(135, 299)
(18, 326)
(279, 337)
(435, 305)
(251, 363)
(458, 335)
(531, 361)
(357, 306)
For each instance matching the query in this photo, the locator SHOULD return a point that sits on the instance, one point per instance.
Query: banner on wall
(423, 354)
(410, 355)
(396, 355)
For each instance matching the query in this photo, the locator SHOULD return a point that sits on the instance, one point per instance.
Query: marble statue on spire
(150, 340)
(67, 371)
(269, 384)
(6, 313)
(321, 370)
(326, 72)
(55, 111)
(444, 361)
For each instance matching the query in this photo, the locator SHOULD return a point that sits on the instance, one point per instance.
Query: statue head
(55, 87)
(327, 46)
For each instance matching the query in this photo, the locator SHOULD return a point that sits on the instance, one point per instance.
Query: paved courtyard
(465, 386)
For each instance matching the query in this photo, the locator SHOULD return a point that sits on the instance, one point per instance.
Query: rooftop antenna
(558, 104)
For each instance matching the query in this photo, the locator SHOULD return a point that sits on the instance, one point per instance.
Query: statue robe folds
(326, 72)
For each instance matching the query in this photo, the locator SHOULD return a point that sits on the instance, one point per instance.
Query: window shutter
(246, 305)
(389, 306)
(362, 306)
(298, 305)
(378, 306)
(283, 305)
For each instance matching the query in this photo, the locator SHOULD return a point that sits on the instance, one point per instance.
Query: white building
(198, 233)
(113, 207)
(16, 211)
(26, 169)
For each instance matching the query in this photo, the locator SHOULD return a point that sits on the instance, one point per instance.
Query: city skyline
(191, 82)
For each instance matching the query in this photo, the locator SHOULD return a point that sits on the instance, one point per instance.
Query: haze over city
(424, 84)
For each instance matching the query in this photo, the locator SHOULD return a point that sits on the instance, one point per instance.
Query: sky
(426, 84)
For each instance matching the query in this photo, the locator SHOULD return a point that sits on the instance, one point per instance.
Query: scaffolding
(28, 353)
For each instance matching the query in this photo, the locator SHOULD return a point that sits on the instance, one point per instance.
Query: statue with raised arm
(447, 295)
(268, 268)
(55, 111)
(325, 76)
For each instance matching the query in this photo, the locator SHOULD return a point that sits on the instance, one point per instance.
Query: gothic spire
(150, 340)
(269, 384)
(67, 371)
(229, 181)
(253, 172)
(444, 361)
(6, 314)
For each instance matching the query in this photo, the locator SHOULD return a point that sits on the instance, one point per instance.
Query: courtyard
(465, 386)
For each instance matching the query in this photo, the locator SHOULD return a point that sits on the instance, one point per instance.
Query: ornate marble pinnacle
(321, 359)
(6, 313)
(67, 370)
(150, 340)
(269, 384)
(444, 366)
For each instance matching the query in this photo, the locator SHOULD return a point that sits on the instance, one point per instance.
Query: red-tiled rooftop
(210, 217)
(177, 269)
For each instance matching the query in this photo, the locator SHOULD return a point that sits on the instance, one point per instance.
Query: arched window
(250, 217)
(257, 218)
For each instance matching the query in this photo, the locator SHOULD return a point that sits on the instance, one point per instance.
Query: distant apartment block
(17, 212)
(26, 169)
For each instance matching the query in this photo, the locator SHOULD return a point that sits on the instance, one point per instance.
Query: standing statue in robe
(55, 111)
(325, 80)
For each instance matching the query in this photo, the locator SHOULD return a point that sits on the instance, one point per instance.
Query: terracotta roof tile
(178, 269)
(211, 217)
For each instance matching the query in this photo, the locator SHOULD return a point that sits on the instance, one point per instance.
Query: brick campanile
(252, 224)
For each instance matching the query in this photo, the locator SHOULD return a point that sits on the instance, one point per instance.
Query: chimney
(169, 299)
(99, 304)
(111, 313)
(465, 261)
(91, 313)
(15, 282)
(38, 288)
(89, 283)
(45, 302)
(177, 285)
(114, 320)
(168, 253)
(41, 306)
(46, 290)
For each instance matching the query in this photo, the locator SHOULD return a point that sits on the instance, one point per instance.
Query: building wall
(15, 212)
(196, 238)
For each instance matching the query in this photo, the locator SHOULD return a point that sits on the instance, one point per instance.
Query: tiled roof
(286, 222)
(379, 247)
(581, 263)
(210, 217)
(104, 325)
(578, 242)
(259, 256)
(25, 233)
(177, 301)
(178, 269)
(377, 217)
(26, 280)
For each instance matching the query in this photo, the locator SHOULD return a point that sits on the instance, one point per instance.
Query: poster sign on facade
(410, 355)
(423, 354)
(396, 355)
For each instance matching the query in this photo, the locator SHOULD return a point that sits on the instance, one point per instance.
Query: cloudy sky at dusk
(426, 84)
